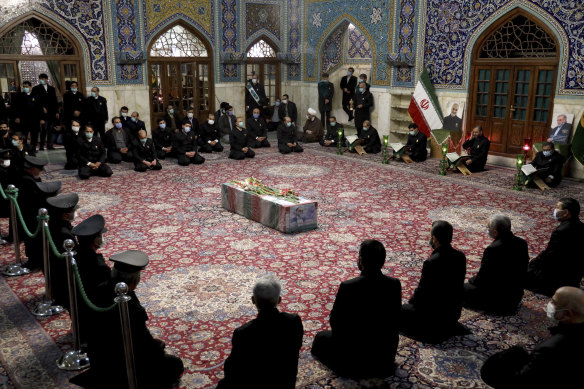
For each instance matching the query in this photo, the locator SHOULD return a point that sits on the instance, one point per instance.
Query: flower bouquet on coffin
(252, 184)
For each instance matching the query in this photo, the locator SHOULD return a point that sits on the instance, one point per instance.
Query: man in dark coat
(287, 139)
(73, 100)
(255, 96)
(272, 341)
(368, 139)
(561, 263)
(550, 164)
(72, 141)
(326, 91)
(348, 86)
(227, 122)
(162, 138)
(191, 120)
(273, 116)
(331, 137)
(144, 153)
(48, 111)
(416, 144)
(238, 140)
(92, 156)
(210, 136)
(134, 125)
(498, 286)
(288, 108)
(257, 130)
(363, 104)
(118, 142)
(95, 111)
(25, 117)
(185, 146)
(555, 362)
(173, 120)
(154, 368)
(478, 147)
(433, 311)
(364, 321)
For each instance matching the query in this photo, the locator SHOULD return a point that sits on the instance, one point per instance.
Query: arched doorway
(181, 73)
(513, 76)
(262, 60)
(33, 45)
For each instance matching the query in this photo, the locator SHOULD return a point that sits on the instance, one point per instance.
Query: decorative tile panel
(159, 13)
(294, 38)
(262, 17)
(229, 41)
(358, 46)
(128, 39)
(333, 49)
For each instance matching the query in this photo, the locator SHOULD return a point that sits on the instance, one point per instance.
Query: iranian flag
(424, 108)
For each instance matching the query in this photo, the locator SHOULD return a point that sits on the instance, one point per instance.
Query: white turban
(311, 111)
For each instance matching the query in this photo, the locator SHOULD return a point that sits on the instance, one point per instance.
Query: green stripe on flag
(578, 142)
(427, 84)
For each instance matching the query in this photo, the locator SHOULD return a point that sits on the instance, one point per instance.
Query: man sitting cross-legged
(238, 141)
(287, 139)
(144, 153)
(210, 136)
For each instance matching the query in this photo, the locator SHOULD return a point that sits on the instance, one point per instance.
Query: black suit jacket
(110, 140)
(46, 99)
(162, 137)
(272, 341)
(143, 152)
(554, 165)
(417, 143)
(183, 142)
(210, 132)
(440, 293)
(364, 321)
(91, 151)
(71, 102)
(292, 111)
(135, 127)
(479, 150)
(350, 84)
(286, 134)
(503, 269)
(95, 110)
(562, 261)
(256, 127)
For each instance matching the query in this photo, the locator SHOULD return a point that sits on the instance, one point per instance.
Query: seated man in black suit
(550, 163)
(498, 286)
(287, 137)
(561, 263)
(144, 153)
(238, 142)
(554, 363)
(257, 130)
(92, 156)
(272, 341)
(416, 145)
(364, 321)
(331, 136)
(369, 139)
(118, 141)
(210, 136)
(433, 311)
(478, 148)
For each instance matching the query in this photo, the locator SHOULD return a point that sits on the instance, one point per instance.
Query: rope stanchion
(75, 359)
(12, 195)
(122, 300)
(15, 269)
(46, 307)
(86, 299)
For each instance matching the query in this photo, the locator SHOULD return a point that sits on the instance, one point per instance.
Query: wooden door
(268, 72)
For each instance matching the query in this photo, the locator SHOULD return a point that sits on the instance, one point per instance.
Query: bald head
(569, 304)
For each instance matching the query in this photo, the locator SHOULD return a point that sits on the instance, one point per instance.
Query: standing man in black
(265, 350)
(257, 130)
(287, 137)
(433, 311)
(364, 321)
(348, 86)
(550, 164)
(96, 112)
(363, 104)
(255, 96)
(498, 286)
(24, 112)
(560, 264)
(478, 148)
(73, 100)
(416, 144)
(71, 140)
(47, 108)
(184, 144)
(238, 140)
(326, 91)
(92, 156)
(287, 108)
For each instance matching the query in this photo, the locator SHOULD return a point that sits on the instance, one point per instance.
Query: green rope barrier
(4, 197)
(12, 195)
(52, 244)
(84, 296)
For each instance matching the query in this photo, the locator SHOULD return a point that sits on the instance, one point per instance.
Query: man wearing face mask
(331, 138)
(555, 362)
(184, 144)
(227, 123)
(92, 156)
(118, 142)
(48, 111)
(477, 147)
(125, 116)
(433, 311)
(287, 137)
(172, 119)
(363, 104)
(348, 86)
(326, 91)
(96, 112)
(4, 181)
(257, 131)
(18, 151)
(313, 131)
(135, 125)
(238, 140)
(255, 96)
(368, 139)
(416, 145)
(72, 101)
(194, 123)
(72, 140)
(162, 138)
(144, 153)
(210, 136)
(498, 286)
(273, 117)
(288, 108)
(24, 112)
(549, 164)
(4, 135)
(62, 211)
(560, 264)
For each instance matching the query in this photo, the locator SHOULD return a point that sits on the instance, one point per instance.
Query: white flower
(375, 15)
(317, 20)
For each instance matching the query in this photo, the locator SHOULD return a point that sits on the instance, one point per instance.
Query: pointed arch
(189, 28)
(264, 38)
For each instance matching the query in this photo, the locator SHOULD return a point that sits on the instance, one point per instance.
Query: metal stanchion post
(46, 307)
(16, 269)
(74, 359)
(122, 301)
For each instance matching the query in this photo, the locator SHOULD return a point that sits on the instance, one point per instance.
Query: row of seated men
(367, 314)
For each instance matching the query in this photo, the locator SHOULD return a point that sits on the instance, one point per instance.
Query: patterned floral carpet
(204, 260)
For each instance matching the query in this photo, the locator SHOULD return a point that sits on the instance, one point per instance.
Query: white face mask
(210, 121)
(253, 80)
(190, 115)
(284, 101)
(75, 129)
(124, 114)
(75, 214)
(6, 163)
(550, 310)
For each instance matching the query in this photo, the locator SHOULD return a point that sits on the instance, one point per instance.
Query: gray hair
(500, 222)
(266, 291)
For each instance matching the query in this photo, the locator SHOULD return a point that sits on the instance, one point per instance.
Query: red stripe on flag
(416, 113)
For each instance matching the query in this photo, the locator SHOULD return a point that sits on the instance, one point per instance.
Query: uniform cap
(64, 201)
(130, 261)
(93, 225)
(50, 188)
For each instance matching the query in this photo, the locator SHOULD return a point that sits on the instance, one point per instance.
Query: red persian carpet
(204, 260)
